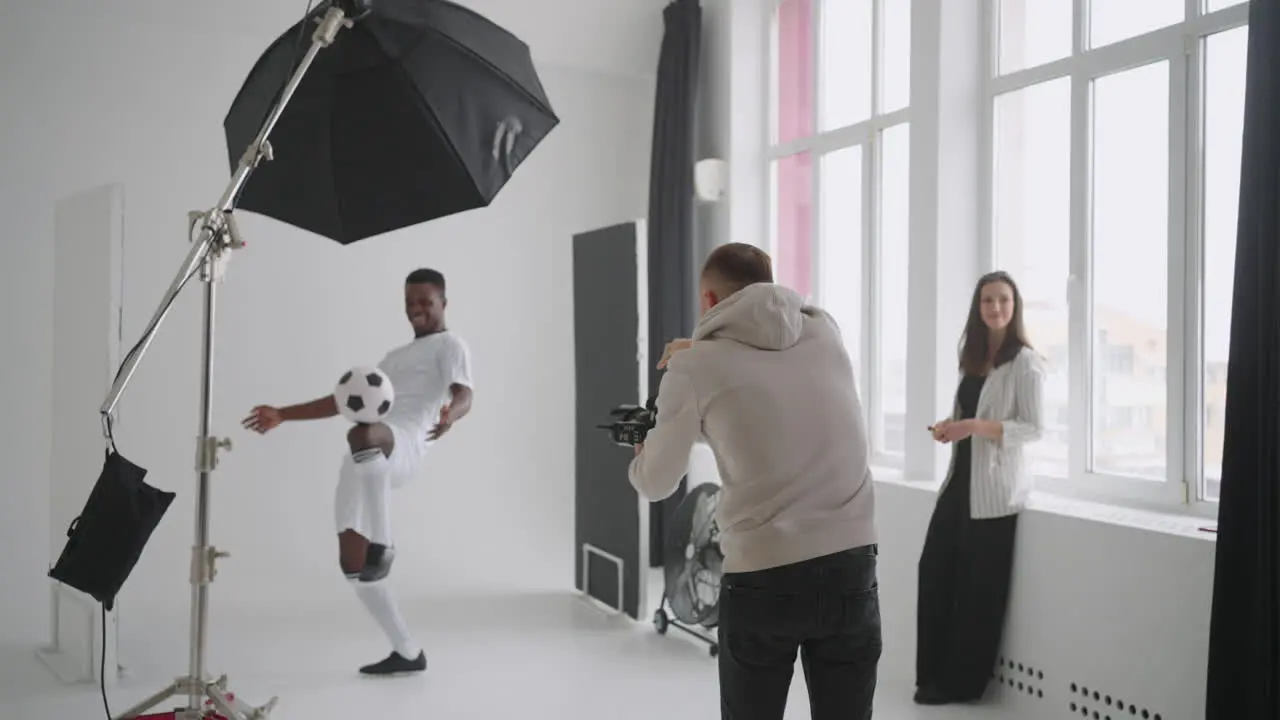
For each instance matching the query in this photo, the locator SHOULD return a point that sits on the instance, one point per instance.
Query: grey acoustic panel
(611, 360)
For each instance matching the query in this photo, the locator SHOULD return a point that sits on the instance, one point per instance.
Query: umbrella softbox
(421, 109)
(105, 541)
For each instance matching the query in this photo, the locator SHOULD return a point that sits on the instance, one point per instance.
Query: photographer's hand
(662, 461)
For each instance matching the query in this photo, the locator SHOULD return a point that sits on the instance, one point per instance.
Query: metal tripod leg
(178, 686)
(234, 708)
(220, 701)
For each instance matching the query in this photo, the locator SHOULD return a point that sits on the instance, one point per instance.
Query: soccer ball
(364, 395)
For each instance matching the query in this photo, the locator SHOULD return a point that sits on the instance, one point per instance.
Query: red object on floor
(173, 715)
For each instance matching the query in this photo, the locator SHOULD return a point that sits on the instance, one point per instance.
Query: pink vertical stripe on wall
(795, 115)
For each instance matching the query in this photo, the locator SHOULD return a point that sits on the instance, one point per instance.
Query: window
(895, 161)
(895, 90)
(1114, 175)
(1031, 217)
(1224, 74)
(1113, 20)
(840, 87)
(793, 212)
(841, 226)
(792, 76)
(1033, 32)
(1130, 268)
(845, 59)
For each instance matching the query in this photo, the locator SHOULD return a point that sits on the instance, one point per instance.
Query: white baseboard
(75, 653)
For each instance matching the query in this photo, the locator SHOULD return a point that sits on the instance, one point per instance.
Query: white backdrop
(296, 310)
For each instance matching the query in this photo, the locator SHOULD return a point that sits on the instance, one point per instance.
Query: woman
(968, 551)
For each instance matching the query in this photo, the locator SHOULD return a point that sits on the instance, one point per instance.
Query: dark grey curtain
(671, 241)
(1244, 644)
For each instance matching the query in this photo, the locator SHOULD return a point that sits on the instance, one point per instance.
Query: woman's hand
(949, 431)
(937, 429)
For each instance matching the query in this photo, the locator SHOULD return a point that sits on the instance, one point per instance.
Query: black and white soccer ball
(364, 395)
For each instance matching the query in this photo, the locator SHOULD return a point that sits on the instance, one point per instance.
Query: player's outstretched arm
(266, 417)
(318, 409)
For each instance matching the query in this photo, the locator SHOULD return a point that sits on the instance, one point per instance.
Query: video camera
(632, 423)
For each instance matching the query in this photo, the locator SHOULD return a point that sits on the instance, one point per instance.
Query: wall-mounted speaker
(710, 179)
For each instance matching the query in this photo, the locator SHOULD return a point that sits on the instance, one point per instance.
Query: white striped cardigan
(1013, 395)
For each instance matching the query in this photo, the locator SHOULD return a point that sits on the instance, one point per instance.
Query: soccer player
(431, 377)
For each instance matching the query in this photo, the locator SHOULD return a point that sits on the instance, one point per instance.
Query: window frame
(867, 134)
(1183, 46)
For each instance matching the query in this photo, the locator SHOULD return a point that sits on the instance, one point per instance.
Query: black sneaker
(396, 664)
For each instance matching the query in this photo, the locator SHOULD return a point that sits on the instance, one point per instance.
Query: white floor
(544, 655)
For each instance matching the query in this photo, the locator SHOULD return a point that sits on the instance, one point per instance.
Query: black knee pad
(377, 563)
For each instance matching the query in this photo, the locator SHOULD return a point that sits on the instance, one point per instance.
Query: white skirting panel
(87, 306)
(75, 654)
(1104, 617)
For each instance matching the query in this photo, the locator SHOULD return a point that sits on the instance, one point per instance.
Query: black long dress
(965, 572)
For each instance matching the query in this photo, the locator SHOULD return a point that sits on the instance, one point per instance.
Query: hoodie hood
(764, 316)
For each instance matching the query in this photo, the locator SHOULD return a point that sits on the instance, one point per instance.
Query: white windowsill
(1167, 523)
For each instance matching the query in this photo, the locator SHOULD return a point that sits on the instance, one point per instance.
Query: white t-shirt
(421, 374)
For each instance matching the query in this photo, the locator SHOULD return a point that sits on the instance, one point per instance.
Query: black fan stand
(662, 621)
(678, 537)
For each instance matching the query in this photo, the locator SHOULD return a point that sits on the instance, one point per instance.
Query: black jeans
(828, 609)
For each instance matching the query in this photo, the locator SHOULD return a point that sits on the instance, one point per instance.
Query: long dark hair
(974, 349)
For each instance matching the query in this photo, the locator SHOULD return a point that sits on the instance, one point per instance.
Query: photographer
(767, 383)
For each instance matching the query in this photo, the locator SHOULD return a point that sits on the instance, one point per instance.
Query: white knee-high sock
(375, 483)
(378, 600)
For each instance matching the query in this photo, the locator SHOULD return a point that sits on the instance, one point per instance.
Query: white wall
(732, 118)
(711, 220)
(140, 99)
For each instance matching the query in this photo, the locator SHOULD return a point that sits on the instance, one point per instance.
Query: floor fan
(692, 568)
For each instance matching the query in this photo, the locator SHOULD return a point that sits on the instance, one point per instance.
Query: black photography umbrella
(421, 109)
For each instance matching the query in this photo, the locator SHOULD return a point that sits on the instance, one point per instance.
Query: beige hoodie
(768, 385)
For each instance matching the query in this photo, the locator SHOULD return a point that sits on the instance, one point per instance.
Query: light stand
(209, 257)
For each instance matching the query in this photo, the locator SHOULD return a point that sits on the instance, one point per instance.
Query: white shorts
(404, 464)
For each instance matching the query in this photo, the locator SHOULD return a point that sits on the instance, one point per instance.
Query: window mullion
(986, 150)
(1080, 312)
(873, 296)
(1178, 341)
(1079, 27)
(1193, 273)
(872, 255)
(877, 57)
(1080, 282)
